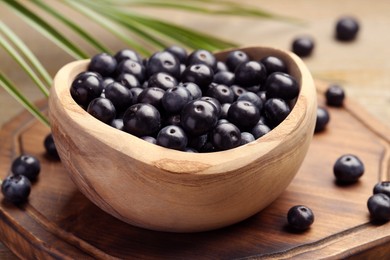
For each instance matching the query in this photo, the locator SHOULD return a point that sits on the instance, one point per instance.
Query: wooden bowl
(162, 189)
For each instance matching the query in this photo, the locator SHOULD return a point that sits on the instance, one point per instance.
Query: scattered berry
(322, 119)
(16, 188)
(50, 146)
(303, 46)
(348, 169)
(379, 207)
(26, 165)
(382, 187)
(334, 96)
(300, 217)
(346, 28)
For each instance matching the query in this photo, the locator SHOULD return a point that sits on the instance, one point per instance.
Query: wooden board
(59, 222)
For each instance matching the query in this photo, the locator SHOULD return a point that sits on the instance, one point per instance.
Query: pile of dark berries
(189, 102)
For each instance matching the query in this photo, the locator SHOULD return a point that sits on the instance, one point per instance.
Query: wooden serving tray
(58, 222)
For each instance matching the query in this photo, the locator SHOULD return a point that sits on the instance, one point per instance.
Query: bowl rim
(179, 162)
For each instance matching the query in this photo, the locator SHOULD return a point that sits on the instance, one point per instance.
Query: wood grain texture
(167, 190)
(59, 222)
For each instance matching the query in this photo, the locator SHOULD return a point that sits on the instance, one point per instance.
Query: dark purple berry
(300, 217)
(26, 165)
(152, 96)
(252, 97)
(172, 120)
(202, 57)
(102, 109)
(172, 137)
(221, 66)
(194, 89)
(322, 119)
(117, 123)
(198, 117)
(274, 64)
(200, 74)
(132, 67)
(179, 52)
(303, 46)
(243, 114)
(276, 110)
(16, 188)
(379, 207)
(135, 92)
(174, 99)
(141, 119)
(162, 80)
(235, 58)
(250, 73)
(346, 28)
(224, 110)
(103, 63)
(120, 96)
(197, 142)
(382, 187)
(260, 129)
(348, 168)
(224, 77)
(214, 102)
(50, 146)
(128, 54)
(163, 61)
(85, 87)
(281, 85)
(128, 80)
(149, 139)
(334, 96)
(238, 91)
(106, 81)
(225, 136)
(246, 138)
(222, 93)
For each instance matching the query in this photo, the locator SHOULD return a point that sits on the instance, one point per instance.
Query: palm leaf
(13, 91)
(26, 67)
(108, 25)
(46, 29)
(72, 25)
(26, 52)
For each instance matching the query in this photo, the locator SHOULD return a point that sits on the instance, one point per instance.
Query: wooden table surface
(362, 67)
